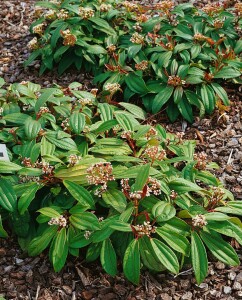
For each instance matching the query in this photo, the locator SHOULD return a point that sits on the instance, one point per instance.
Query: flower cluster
(105, 7)
(26, 161)
(199, 221)
(26, 179)
(47, 169)
(137, 38)
(137, 27)
(42, 110)
(217, 196)
(39, 29)
(153, 187)
(33, 44)
(218, 23)
(173, 195)
(175, 80)
(69, 39)
(100, 173)
(86, 12)
(63, 14)
(111, 48)
(112, 87)
(143, 65)
(144, 229)
(154, 153)
(212, 9)
(85, 101)
(199, 37)
(87, 234)
(136, 195)
(142, 18)
(238, 8)
(125, 185)
(151, 133)
(130, 6)
(60, 221)
(201, 159)
(65, 124)
(165, 6)
(126, 135)
(50, 14)
(180, 136)
(73, 159)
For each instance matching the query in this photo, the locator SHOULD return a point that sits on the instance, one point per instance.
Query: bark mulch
(219, 135)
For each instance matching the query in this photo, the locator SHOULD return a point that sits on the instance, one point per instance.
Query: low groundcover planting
(94, 180)
(174, 58)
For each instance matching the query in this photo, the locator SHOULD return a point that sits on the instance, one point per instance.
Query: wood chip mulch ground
(220, 136)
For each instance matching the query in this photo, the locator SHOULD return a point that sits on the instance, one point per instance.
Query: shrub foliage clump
(171, 57)
(95, 180)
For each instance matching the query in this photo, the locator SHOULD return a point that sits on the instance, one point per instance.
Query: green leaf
(121, 226)
(136, 84)
(77, 122)
(96, 49)
(142, 178)
(82, 195)
(220, 249)
(165, 255)
(181, 186)
(65, 143)
(93, 252)
(221, 93)
(138, 112)
(186, 110)
(16, 118)
(115, 199)
(176, 241)
(163, 211)
(103, 25)
(124, 122)
(161, 98)
(216, 216)
(227, 72)
(46, 148)
(85, 221)
(227, 228)
(8, 167)
(27, 197)
(108, 258)
(49, 212)
(45, 97)
(199, 258)
(38, 244)
(131, 262)
(59, 250)
(149, 258)
(8, 198)
(32, 128)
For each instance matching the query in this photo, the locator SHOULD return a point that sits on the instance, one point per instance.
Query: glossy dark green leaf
(199, 257)
(220, 249)
(165, 255)
(82, 195)
(108, 257)
(8, 198)
(131, 262)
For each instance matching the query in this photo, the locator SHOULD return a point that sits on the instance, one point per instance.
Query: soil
(219, 135)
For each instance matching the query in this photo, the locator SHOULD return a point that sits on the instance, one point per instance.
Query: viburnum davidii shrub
(172, 57)
(88, 179)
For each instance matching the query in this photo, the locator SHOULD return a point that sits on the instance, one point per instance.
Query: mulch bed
(219, 135)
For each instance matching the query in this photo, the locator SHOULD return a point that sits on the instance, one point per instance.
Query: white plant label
(3, 152)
